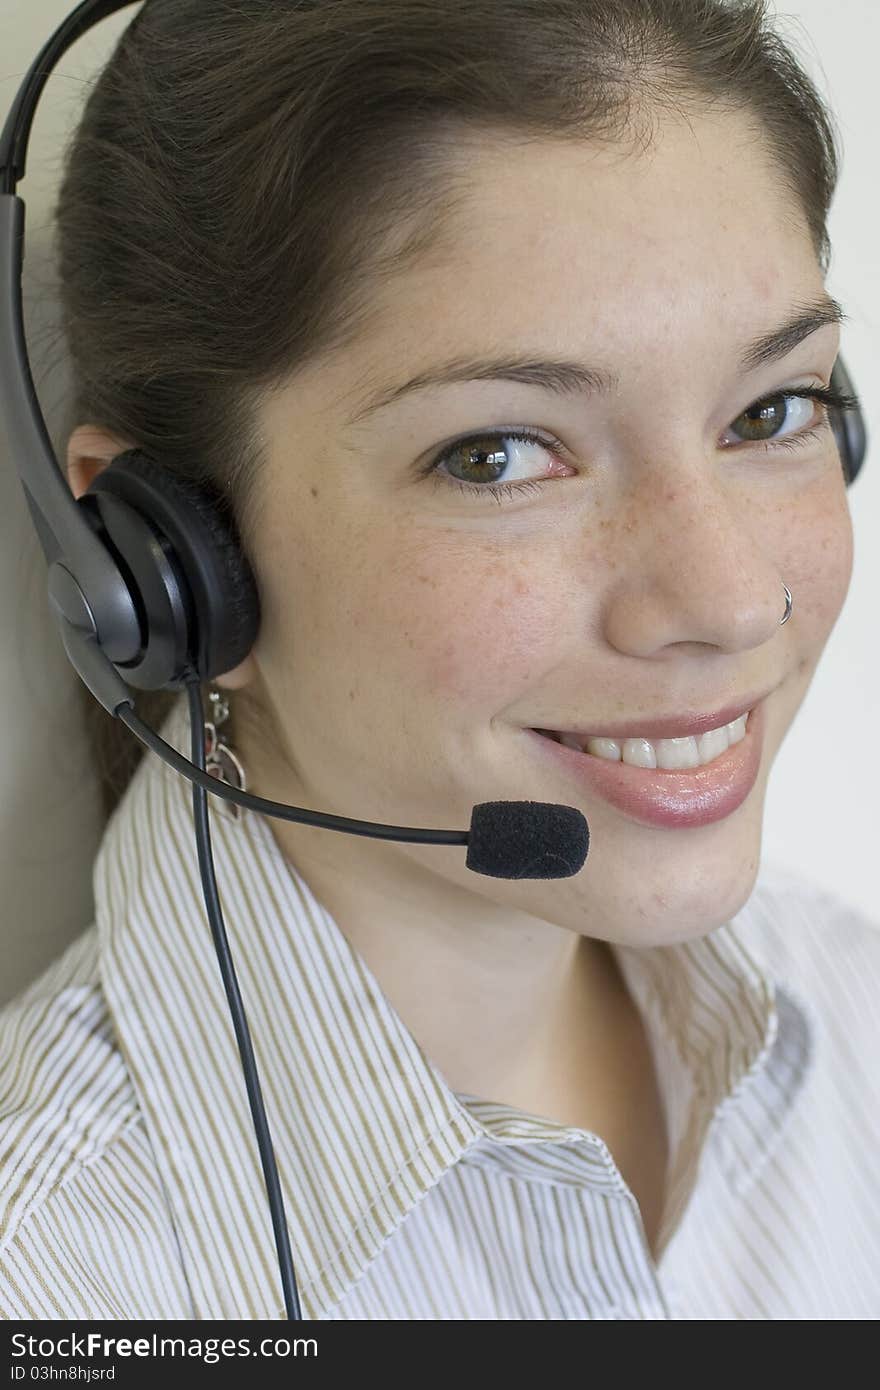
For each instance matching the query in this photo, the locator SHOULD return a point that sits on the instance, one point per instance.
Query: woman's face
(412, 633)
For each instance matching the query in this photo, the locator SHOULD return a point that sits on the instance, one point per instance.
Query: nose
(698, 570)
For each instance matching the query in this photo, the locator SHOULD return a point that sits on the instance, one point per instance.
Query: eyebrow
(565, 377)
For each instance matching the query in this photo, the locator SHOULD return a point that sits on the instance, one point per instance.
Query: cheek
(479, 626)
(820, 561)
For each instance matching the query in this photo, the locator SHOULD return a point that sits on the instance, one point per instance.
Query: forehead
(655, 259)
(604, 241)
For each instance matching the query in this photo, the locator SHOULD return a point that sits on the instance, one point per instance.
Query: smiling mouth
(671, 754)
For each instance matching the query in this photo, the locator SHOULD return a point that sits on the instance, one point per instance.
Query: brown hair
(246, 172)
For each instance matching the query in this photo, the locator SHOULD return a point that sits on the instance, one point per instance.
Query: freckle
(351, 694)
(314, 491)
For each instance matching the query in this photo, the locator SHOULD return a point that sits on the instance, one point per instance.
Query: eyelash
(825, 396)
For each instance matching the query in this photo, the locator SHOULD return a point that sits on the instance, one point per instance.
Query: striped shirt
(130, 1183)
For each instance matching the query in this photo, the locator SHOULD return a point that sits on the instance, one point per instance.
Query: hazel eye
(486, 456)
(490, 452)
(773, 411)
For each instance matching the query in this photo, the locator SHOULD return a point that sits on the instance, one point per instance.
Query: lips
(665, 726)
(670, 798)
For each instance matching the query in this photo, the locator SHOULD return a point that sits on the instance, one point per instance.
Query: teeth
(693, 751)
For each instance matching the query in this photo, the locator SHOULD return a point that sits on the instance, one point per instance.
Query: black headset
(151, 588)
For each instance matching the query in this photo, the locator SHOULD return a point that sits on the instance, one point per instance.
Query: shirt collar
(362, 1123)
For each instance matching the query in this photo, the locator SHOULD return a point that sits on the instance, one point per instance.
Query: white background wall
(821, 813)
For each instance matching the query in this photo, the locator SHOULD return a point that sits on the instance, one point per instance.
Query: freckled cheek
(823, 562)
(478, 635)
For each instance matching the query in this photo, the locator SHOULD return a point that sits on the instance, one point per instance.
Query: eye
(485, 456)
(490, 454)
(774, 411)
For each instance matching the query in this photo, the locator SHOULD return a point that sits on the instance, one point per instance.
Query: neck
(506, 1006)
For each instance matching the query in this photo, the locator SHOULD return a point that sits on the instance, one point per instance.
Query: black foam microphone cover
(527, 839)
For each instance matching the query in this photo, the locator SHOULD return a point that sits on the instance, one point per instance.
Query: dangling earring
(220, 761)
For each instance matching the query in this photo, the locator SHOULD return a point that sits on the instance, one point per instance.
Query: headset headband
(53, 507)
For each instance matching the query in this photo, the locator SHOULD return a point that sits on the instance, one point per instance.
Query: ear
(89, 451)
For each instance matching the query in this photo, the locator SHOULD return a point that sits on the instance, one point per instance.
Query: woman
(364, 267)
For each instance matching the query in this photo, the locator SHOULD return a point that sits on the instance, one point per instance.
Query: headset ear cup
(849, 426)
(180, 550)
